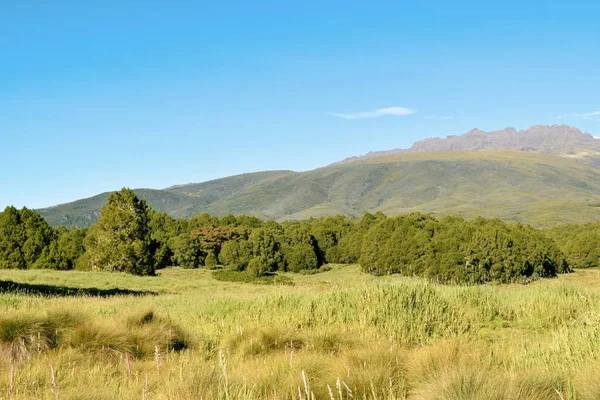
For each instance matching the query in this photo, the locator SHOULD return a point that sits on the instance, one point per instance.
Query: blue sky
(98, 95)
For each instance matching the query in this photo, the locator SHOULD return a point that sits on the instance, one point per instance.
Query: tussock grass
(22, 335)
(339, 334)
(262, 341)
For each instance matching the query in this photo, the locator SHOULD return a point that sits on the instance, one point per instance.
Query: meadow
(338, 334)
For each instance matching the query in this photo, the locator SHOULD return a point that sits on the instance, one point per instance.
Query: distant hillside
(511, 185)
(182, 201)
(558, 140)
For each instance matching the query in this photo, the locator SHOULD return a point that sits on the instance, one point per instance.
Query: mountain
(520, 186)
(181, 201)
(558, 140)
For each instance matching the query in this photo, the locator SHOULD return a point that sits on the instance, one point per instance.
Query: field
(338, 334)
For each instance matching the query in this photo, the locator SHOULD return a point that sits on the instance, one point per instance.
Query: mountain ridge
(558, 140)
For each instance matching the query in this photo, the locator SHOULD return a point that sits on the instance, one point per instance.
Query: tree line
(130, 236)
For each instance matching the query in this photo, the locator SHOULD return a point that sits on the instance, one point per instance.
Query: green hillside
(515, 186)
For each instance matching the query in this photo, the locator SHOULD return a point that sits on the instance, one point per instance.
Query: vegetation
(287, 313)
(514, 186)
(131, 237)
(358, 335)
(264, 279)
(260, 309)
(581, 243)
(120, 240)
(454, 250)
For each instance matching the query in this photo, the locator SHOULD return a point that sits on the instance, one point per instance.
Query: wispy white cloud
(441, 117)
(594, 116)
(382, 112)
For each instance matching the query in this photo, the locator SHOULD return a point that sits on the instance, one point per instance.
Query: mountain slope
(182, 201)
(559, 140)
(511, 185)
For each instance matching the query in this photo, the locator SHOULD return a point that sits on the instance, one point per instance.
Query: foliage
(213, 237)
(457, 251)
(120, 240)
(265, 243)
(203, 220)
(236, 254)
(257, 267)
(131, 237)
(300, 257)
(66, 251)
(211, 260)
(24, 239)
(187, 251)
(229, 275)
(328, 232)
(580, 243)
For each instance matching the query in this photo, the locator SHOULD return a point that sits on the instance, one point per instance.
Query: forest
(132, 237)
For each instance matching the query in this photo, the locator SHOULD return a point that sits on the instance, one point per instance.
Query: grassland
(338, 334)
(515, 186)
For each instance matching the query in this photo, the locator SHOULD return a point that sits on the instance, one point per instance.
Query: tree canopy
(131, 237)
(120, 240)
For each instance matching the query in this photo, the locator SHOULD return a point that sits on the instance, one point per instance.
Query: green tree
(266, 244)
(258, 266)
(300, 249)
(248, 221)
(66, 251)
(162, 229)
(187, 251)
(38, 236)
(300, 257)
(12, 235)
(228, 220)
(203, 220)
(236, 254)
(120, 240)
(25, 238)
(329, 231)
(211, 260)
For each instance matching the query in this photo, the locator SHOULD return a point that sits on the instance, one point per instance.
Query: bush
(211, 260)
(241, 276)
(300, 257)
(256, 267)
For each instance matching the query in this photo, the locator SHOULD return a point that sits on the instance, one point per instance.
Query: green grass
(373, 337)
(242, 276)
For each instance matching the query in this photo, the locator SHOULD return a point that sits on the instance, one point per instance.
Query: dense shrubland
(580, 243)
(131, 237)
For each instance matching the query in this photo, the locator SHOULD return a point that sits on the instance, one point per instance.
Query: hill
(181, 201)
(511, 185)
(558, 140)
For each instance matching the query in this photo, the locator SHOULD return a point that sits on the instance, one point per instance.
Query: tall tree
(67, 248)
(120, 240)
(12, 235)
(24, 239)
(38, 236)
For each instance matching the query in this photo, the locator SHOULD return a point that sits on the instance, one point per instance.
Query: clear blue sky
(97, 95)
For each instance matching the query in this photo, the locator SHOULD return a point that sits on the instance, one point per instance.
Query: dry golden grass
(339, 334)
